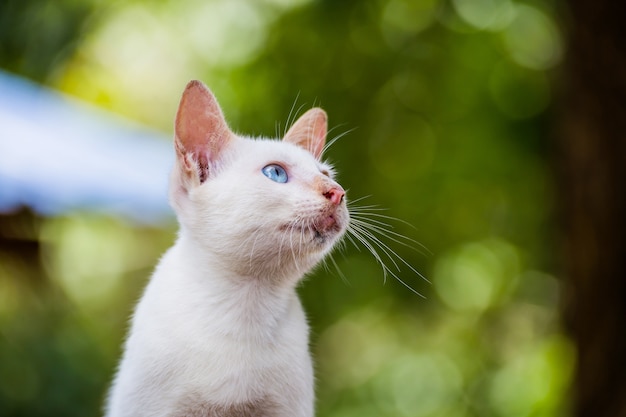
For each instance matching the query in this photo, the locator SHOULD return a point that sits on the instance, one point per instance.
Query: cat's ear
(309, 131)
(201, 133)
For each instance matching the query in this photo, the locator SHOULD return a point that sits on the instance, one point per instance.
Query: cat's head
(259, 206)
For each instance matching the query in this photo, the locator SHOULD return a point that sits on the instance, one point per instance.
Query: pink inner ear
(309, 131)
(201, 130)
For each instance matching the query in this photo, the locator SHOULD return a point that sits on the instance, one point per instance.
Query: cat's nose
(335, 195)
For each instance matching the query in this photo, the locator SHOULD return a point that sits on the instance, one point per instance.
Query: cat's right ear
(201, 134)
(309, 131)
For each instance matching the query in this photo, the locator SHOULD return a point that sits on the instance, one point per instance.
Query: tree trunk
(592, 173)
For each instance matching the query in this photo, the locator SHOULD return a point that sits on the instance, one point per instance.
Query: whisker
(366, 219)
(332, 141)
(365, 209)
(358, 199)
(349, 237)
(373, 239)
(398, 257)
(292, 115)
(341, 274)
(301, 225)
(365, 215)
(370, 248)
(384, 267)
(391, 235)
(368, 212)
(368, 226)
(277, 129)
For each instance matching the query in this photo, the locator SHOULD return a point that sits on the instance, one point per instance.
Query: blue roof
(59, 155)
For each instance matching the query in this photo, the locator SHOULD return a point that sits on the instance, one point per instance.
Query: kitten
(220, 331)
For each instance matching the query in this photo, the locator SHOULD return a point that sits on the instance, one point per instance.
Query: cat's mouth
(321, 229)
(325, 228)
(325, 223)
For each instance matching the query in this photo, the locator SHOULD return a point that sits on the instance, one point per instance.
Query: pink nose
(335, 195)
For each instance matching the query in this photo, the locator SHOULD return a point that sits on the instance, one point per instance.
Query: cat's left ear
(309, 131)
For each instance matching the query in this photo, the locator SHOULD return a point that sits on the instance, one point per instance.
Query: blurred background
(452, 112)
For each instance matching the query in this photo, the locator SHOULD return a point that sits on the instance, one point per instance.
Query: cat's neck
(202, 286)
(237, 268)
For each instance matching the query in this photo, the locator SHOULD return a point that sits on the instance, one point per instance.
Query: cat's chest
(208, 310)
(261, 407)
(230, 352)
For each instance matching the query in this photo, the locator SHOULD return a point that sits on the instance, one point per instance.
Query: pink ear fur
(309, 131)
(201, 132)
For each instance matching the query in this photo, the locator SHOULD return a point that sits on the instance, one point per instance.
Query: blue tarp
(59, 155)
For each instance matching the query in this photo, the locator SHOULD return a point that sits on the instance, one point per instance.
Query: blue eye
(275, 173)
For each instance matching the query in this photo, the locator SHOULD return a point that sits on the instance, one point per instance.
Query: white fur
(220, 320)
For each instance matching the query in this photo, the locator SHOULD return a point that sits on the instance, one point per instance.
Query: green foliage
(444, 106)
(36, 36)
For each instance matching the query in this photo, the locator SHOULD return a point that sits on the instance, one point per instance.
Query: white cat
(219, 331)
